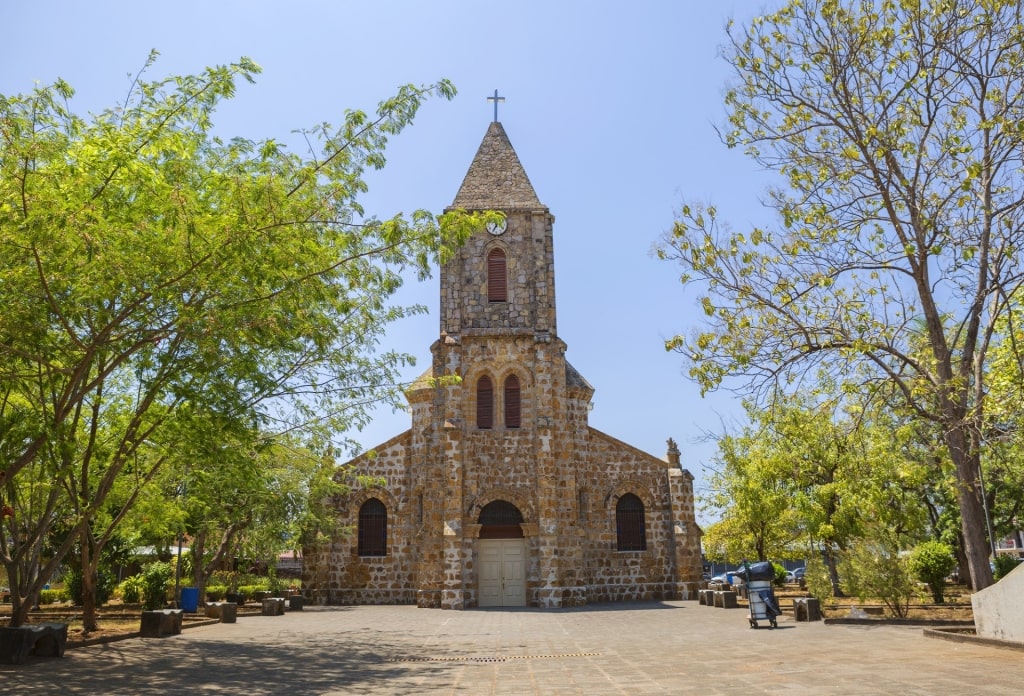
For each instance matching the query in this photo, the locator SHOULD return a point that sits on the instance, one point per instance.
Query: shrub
(50, 596)
(817, 579)
(875, 570)
(930, 563)
(215, 593)
(249, 591)
(105, 585)
(156, 579)
(131, 589)
(1004, 565)
(780, 574)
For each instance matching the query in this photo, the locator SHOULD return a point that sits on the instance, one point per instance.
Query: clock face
(497, 228)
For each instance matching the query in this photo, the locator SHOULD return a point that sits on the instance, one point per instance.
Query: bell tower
(488, 436)
(502, 281)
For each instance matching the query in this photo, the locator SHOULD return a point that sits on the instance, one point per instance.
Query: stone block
(295, 603)
(726, 599)
(807, 609)
(18, 642)
(160, 622)
(227, 612)
(273, 606)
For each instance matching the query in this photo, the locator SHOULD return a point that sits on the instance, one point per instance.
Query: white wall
(999, 611)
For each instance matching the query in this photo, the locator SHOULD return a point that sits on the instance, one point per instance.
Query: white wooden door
(502, 572)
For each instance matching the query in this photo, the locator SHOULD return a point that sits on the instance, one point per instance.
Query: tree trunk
(972, 511)
(89, 622)
(198, 566)
(19, 605)
(832, 563)
(961, 561)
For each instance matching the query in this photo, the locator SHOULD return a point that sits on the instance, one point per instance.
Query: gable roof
(496, 179)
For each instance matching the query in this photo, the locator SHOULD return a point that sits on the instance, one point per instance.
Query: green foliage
(780, 574)
(931, 562)
(871, 272)
(52, 596)
(215, 593)
(1005, 564)
(274, 584)
(105, 586)
(156, 578)
(817, 579)
(132, 589)
(877, 571)
(186, 567)
(166, 289)
(751, 495)
(811, 473)
(249, 591)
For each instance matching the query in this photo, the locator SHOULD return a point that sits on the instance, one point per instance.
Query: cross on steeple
(496, 99)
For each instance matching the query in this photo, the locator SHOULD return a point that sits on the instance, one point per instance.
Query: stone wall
(571, 536)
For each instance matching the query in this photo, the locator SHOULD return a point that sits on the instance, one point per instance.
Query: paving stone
(623, 648)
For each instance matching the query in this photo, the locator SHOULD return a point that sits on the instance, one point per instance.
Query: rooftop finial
(496, 99)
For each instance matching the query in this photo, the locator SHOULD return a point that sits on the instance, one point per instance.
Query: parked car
(799, 573)
(791, 576)
(720, 578)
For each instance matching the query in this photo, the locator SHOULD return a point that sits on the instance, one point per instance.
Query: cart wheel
(753, 624)
(775, 624)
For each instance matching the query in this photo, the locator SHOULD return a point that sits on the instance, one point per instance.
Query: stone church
(501, 494)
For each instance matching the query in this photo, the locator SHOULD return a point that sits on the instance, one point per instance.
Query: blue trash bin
(190, 599)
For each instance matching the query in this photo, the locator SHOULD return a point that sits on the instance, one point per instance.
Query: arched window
(629, 524)
(484, 403)
(497, 276)
(373, 528)
(512, 402)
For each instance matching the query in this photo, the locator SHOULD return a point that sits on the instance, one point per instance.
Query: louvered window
(629, 524)
(373, 528)
(484, 403)
(512, 412)
(497, 276)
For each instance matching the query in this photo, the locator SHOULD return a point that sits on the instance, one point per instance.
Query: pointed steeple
(496, 179)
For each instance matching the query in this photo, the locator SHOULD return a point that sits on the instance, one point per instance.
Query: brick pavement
(633, 648)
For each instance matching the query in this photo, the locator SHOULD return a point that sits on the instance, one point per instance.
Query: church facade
(500, 493)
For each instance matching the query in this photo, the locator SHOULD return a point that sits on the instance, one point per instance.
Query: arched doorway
(502, 552)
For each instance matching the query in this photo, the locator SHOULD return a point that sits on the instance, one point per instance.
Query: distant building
(501, 494)
(1012, 545)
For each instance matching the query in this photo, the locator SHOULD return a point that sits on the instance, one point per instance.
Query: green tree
(930, 563)
(896, 127)
(150, 265)
(820, 474)
(752, 498)
(1003, 455)
(875, 569)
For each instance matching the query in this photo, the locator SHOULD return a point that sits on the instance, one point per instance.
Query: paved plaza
(633, 648)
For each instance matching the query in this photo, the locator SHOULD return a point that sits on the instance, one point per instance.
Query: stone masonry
(564, 479)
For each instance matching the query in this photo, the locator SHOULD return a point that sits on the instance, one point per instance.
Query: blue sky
(611, 107)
